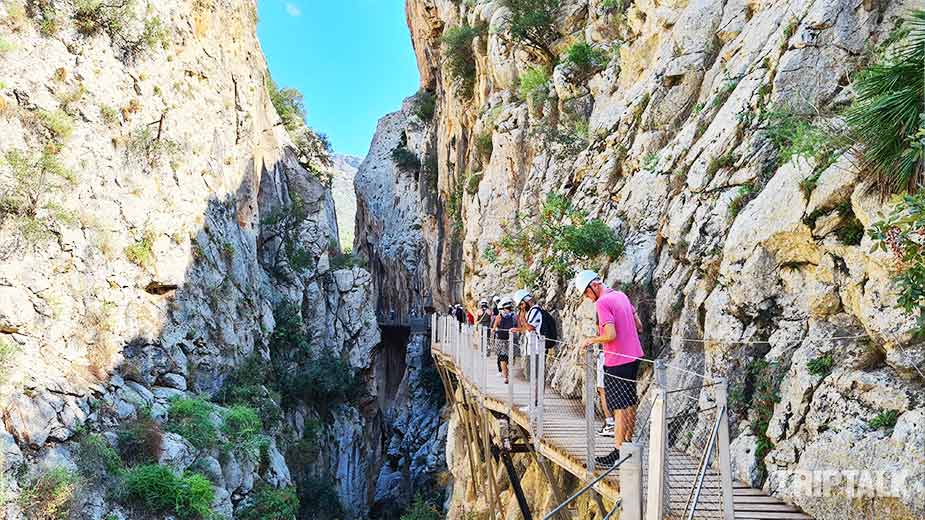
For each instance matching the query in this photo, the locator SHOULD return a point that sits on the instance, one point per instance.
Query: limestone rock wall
(732, 262)
(151, 268)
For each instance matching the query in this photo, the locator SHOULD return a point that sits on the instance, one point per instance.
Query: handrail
(586, 488)
(694, 497)
(616, 506)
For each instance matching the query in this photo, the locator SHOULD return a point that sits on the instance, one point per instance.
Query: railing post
(510, 375)
(433, 330)
(725, 464)
(483, 333)
(540, 384)
(655, 503)
(631, 482)
(590, 396)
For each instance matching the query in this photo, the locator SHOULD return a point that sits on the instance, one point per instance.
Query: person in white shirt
(532, 321)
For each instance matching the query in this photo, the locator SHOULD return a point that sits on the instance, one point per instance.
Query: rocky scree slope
(745, 254)
(166, 288)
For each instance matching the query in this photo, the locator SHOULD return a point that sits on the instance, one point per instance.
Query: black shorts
(502, 358)
(620, 385)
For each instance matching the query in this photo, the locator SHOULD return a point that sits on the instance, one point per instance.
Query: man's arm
(638, 321)
(610, 334)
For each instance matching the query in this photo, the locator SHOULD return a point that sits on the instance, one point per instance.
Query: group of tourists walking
(618, 336)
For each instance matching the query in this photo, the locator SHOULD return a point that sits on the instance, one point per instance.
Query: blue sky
(351, 59)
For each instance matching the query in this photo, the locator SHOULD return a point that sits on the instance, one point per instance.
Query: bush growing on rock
(158, 490)
(285, 223)
(51, 495)
(795, 134)
(26, 201)
(96, 459)
(460, 56)
(405, 159)
(314, 149)
(533, 85)
(191, 418)
(533, 24)
(585, 58)
(820, 366)
(141, 252)
(901, 233)
(253, 384)
(425, 104)
(885, 419)
(139, 441)
(572, 239)
(269, 503)
(243, 429)
(484, 145)
(325, 381)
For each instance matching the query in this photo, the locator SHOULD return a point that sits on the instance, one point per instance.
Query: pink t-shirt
(614, 307)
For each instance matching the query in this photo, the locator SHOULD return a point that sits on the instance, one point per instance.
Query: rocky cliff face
(343, 171)
(156, 216)
(747, 260)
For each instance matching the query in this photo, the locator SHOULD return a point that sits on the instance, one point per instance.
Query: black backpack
(548, 329)
(507, 323)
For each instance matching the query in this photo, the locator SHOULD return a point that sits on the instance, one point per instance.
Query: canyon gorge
(179, 311)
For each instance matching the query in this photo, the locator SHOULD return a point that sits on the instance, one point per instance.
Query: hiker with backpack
(484, 316)
(618, 334)
(535, 318)
(459, 314)
(501, 332)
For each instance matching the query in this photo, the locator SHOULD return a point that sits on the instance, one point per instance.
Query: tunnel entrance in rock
(392, 349)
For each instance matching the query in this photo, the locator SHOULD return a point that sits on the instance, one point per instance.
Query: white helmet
(483, 302)
(496, 299)
(507, 301)
(584, 279)
(521, 295)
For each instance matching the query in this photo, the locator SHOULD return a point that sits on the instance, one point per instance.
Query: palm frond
(887, 114)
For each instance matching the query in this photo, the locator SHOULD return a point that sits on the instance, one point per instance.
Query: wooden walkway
(564, 443)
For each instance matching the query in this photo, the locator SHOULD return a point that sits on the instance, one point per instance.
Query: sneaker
(608, 460)
(606, 430)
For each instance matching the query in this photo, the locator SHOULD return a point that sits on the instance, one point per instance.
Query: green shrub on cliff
(571, 238)
(192, 419)
(533, 85)
(243, 431)
(900, 233)
(269, 503)
(460, 55)
(25, 201)
(421, 510)
(158, 490)
(313, 149)
(425, 104)
(585, 58)
(51, 495)
(533, 24)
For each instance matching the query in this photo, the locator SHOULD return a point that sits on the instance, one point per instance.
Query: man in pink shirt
(618, 332)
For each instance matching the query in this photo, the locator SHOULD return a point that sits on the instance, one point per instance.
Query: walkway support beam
(515, 484)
